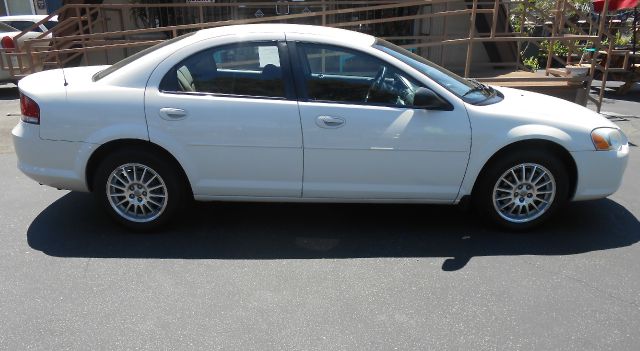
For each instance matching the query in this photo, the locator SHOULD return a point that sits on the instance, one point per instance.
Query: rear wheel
(522, 190)
(139, 189)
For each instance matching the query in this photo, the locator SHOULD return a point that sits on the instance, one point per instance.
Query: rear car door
(228, 113)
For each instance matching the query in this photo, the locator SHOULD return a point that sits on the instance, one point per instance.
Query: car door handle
(330, 122)
(172, 114)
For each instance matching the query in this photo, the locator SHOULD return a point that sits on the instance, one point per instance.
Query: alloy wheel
(136, 192)
(524, 192)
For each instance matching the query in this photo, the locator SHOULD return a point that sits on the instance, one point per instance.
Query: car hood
(529, 107)
(523, 115)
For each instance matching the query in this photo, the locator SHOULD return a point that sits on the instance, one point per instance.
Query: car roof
(127, 77)
(351, 37)
(33, 18)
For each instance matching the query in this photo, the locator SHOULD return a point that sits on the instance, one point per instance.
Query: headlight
(605, 139)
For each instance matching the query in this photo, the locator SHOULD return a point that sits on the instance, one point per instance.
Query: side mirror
(428, 100)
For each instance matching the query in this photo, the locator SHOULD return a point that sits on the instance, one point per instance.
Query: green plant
(531, 63)
(559, 48)
(621, 40)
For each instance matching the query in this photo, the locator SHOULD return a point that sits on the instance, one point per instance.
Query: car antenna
(64, 77)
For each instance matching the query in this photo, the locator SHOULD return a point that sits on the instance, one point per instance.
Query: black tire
(172, 186)
(483, 196)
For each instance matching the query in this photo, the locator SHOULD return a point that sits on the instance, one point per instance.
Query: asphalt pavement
(233, 276)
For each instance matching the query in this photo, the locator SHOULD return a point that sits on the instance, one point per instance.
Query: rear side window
(22, 25)
(244, 69)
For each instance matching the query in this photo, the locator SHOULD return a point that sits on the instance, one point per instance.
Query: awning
(615, 4)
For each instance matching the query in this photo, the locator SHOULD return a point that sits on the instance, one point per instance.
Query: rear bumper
(55, 163)
(599, 172)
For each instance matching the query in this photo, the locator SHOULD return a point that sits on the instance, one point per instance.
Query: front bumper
(59, 164)
(599, 172)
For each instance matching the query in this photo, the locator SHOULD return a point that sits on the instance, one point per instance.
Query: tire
(504, 197)
(139, 189)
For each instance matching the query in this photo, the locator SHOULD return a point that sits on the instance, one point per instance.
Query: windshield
(468, 90)
(116, 66)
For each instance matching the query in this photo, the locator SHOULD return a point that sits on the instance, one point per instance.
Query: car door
(229, 114)
(362, 137)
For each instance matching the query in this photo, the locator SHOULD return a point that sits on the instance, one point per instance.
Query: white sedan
(301, 113)
(7, 45)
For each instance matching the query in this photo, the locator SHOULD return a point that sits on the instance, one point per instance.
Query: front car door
(226, 109)
(362, 137)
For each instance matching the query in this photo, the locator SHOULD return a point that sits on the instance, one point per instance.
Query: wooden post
(472, 31)
(103, 19)
(523, 19)
(324, 17)
(494, 20)
(601, 31)
(554, 33)
(89, 19)
(20, 65)
(444, 31)
(121, 17)
(30, 60)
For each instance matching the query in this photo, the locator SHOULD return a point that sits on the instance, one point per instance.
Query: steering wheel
(377, 81)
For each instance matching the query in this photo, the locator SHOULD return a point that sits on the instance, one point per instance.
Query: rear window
(116, 66)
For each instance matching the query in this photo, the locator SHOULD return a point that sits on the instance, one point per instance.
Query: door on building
(19, 7)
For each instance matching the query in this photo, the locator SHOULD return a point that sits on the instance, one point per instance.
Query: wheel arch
(537, 144)
(105, 149)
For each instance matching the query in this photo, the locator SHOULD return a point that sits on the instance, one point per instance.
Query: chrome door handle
(172, 114)
(330, 122)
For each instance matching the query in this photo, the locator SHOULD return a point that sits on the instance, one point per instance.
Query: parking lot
(256, 276)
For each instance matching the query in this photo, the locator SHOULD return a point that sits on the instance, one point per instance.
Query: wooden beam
(472, 30)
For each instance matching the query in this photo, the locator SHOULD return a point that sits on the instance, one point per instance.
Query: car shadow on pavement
(9, 92)
(74, 226)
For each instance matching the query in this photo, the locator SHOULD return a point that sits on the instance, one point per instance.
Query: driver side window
(335, 74)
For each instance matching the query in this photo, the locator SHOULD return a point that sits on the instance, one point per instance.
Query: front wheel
(138, 189)
(522, 190)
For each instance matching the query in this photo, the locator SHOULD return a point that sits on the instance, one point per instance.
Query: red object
(29, 109)
(7, 43)
(614, 4)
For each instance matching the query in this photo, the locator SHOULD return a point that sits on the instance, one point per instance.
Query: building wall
(452, 56)
(19, 7)
(23, 7)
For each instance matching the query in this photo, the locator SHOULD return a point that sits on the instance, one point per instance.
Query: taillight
(29, 109)
(7, 43)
